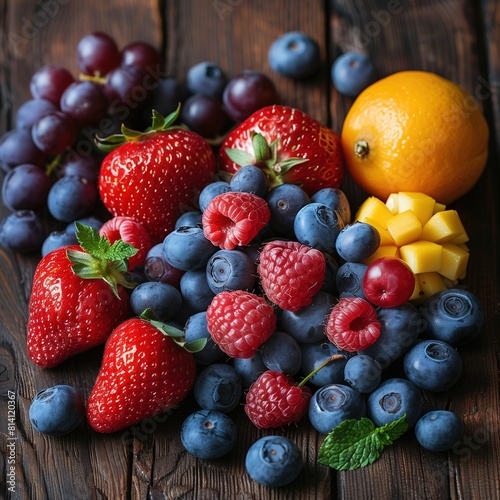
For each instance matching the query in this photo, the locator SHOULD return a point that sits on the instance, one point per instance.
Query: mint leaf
(120, 250)
(356, 443)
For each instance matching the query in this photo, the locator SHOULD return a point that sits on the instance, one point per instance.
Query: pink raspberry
(291, 273)
(352, 324)
(239, 322)
(234, 218)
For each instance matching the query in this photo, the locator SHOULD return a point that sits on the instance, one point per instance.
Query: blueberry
(281, 353)
(187, 249)
(210, 191)
(196, 328)
(317, 226)
(356, 242)
(191, 218)
(71, 197)
(206, 78)
(58, 239)
(249, 369)
(331, 269)
(332, 404)
(22, 231)
(196, 293)
(307, 324)
(250, 179)
(349, 279)
(208, 434)
(454, 316)
(284, 202)
(218, 387)
(230, 270)
(91, 221)
(315, 354)
(363, 373)
(392, 399)
(163, 299)
(400, 327)
(156, 268)
(336, 199)
(439, 430)
(273, 461)
(433, 365)
(295, 55)
(57, 410)
(352, 72)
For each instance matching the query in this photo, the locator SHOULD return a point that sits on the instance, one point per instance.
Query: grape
(82, 166)
(85, 103)
(53, 133)
(97, 54)
(29, 112)
(166, 96)
(71, 198)
(22, 231)
(49, 83)
(142, 55)
(206, 78)
(26, 187)
(248, 92)
(127, 85)
(204, 115)
(17, 147)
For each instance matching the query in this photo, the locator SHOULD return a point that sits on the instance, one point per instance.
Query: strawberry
(289, 145)
(147, 369)
(150, 176)
(77, 298)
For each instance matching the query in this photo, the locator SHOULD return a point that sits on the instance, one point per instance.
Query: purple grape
(97, 54)
(53, 133)
(82, 166)
(17, 147)
(248, 92)
(26, 187)
(50, 82)
(166, 96)
(85, 102)
(127, 85)
(142, 55)
(204, 115)
(22, 231)
(206, 78)
(31, 111)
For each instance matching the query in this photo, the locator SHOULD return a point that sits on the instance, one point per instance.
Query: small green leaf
(120, 250)
(195, 345)
(261, 148)
(357, 443)
(286, 165)
(239, 157)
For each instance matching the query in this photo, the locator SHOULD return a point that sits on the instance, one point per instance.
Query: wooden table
(458, 39)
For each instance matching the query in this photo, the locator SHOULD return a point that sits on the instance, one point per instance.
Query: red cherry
(388, 282)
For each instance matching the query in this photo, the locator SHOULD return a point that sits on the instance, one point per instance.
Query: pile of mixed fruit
(215, 255)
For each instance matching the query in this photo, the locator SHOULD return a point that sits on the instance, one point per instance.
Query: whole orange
(415, 131)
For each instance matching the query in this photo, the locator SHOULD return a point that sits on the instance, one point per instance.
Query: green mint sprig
(357, 443)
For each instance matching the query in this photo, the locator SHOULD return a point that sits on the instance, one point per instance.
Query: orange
(415, 131)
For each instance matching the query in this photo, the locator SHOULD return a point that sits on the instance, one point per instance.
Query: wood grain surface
(457, 39)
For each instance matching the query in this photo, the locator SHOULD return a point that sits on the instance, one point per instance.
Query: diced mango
(392, 203)
(420, 204)
(460, 239)
(422, 256)
(383, 251)
(404, 228)
(438, 207)
(385, 237)
(443, 227)
(374, 209)
(454, 261)
(429, 284)
(415, 296)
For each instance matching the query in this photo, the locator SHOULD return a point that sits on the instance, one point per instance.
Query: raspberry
(234, 218)
(240, 322)
(352, 324)
(291, 273)
(274, 400)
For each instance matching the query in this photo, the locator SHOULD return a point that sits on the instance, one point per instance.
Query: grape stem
(318, 368)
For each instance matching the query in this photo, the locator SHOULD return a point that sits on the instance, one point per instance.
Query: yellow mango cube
(422, 256)
(454, 261)
(392, 203)
(374, 209)
(415, 296)
(438, 207)
(443, 227)
(420, 204)
(383, 251)
(430, 284)
(385, 237)
(404, 228)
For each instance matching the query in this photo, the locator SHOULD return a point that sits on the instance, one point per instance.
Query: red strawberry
(239, 322)
(289, 145)
(274, 400)
(352, 324)
(291, 273)
(234, 218)
(144, 372)
(77, 298)
(151, 176)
